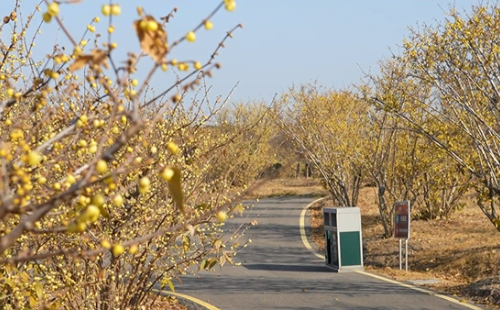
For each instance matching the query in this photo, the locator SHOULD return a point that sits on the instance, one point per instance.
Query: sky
(282, 43)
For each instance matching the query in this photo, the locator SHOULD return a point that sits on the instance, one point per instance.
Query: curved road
(278, 272)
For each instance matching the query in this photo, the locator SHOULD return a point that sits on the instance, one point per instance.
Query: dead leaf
(228, 258)
(153, 42)
(96, 57)
(191, 229)
(217, 244)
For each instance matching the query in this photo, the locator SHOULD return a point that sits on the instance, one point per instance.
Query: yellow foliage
(82, 162)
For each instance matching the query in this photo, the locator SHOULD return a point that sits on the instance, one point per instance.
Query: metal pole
(406, 255)
(400, 262)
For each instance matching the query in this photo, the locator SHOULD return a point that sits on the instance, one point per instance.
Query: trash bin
(343, 239)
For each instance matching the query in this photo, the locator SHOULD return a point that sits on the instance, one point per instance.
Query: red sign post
(402, 228)
(402, 219)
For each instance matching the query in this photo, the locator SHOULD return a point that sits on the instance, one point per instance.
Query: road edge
(302, 226)
(200, 304)
(307, 244)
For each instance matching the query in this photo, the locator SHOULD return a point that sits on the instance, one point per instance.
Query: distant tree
(457, 61)
(403, 164)
(329, 128)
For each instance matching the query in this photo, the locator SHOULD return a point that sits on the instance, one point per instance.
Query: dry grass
(459, 251)
(168, 303)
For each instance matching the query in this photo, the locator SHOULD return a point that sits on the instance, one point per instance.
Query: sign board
(402, 219)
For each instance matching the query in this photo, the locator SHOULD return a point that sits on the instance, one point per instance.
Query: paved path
(278, 272)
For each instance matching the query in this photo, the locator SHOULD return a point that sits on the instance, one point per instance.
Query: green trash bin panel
(350, 249)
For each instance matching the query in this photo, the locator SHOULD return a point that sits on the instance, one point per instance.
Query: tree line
(108, 189)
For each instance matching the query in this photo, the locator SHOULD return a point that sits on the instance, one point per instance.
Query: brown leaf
(96, 57)
(228, 258)
(153, 42)
(222, 261)
(191, 230)
(217, 244)
(80, 62)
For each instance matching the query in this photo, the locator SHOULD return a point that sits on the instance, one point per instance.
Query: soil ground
(463, 252)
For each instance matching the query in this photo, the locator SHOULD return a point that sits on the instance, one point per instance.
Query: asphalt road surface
(278, 272)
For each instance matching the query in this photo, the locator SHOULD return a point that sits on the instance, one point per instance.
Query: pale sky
(283, 42)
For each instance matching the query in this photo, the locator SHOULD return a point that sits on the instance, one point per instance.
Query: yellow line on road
(184, 296)
(302, 224)
(422, 290)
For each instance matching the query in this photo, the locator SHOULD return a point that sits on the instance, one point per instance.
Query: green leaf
(239, 209)
(212, 262)
(9, 282)
(186, 242)
(171, 285)
(202, 207)
(39, 289)
(167, 281)
(24, 277)
(175, 188)
(32, 301)
(203, 264)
